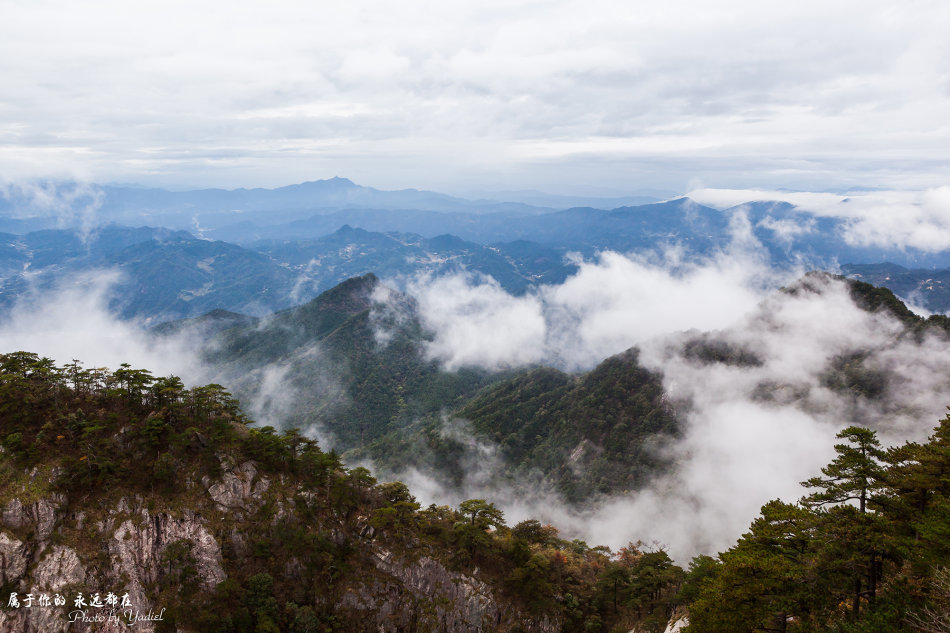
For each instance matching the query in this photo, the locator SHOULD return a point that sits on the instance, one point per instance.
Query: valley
(539, 406)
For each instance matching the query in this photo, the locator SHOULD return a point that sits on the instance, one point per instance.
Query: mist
(67, 205)
(887, 219)
(610, 304)
(751, 432)
(754, 432)
(73, 321)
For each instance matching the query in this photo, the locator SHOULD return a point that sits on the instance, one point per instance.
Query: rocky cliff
(131, 545)
(128, 501)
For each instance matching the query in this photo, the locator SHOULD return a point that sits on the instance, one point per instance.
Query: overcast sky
(565, 96)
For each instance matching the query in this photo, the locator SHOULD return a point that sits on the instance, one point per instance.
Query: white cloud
(619, 301)
(751, 433)
(610, 304)
(535, 94)
(73, 322)
(889, 219)
(479, 323)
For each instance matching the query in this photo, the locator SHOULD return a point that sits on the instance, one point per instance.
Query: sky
(601, 96)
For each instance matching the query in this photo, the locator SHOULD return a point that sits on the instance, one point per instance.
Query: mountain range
(211, 524)
(303, 323)
(294, 242)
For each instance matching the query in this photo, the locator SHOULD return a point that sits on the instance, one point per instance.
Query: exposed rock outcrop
(240, 488)
(138, 549)
(14, 557)
(133, 546)
(423, 595)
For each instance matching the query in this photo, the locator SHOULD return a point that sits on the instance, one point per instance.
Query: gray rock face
(58, 569)
(39, 517)
(240, 488)
(135, 547)
(426, 596)
(138, 549)
(14, 557)
(677, 623)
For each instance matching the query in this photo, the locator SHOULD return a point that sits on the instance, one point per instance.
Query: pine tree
(856, 543)
(855, 475)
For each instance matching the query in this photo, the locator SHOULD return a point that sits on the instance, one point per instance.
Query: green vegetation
(866, 551)
(586, 435)
(339, 375)
(313, 534)
(596, 433)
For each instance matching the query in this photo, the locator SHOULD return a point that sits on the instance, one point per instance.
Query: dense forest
(866, 549)
(357, 367)
(311, 546)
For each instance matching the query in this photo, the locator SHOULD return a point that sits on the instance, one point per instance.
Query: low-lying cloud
(73, 321)
(752, 430)
(752, 433)
(612, 303)
(887, 219)
(73, 204)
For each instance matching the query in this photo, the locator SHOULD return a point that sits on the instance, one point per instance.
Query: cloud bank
(613, 302)
(752, 431)
(606, 93)
(887, 219)
(72, 321)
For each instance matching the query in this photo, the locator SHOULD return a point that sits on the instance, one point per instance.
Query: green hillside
(356, 367)
(594, 433)
(335, 371)
(121, 482)
(588, 434)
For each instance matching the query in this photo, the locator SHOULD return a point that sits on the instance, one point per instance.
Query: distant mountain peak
(338, 181)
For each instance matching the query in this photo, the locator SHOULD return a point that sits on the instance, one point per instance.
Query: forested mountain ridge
(348, 252)
(123, 483)
(154, 274)
(929, 288)
(333, 369)
(582, 436)
(161, 275)
(353, 364)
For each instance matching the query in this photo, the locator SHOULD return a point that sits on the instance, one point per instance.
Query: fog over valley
(761, 364)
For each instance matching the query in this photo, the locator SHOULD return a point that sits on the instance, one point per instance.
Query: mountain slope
(163, 498)
(929, 288)
(162, 274)
(330, 368)
(348, 252)
(353, 364)
(165, 275)
(582, 436)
